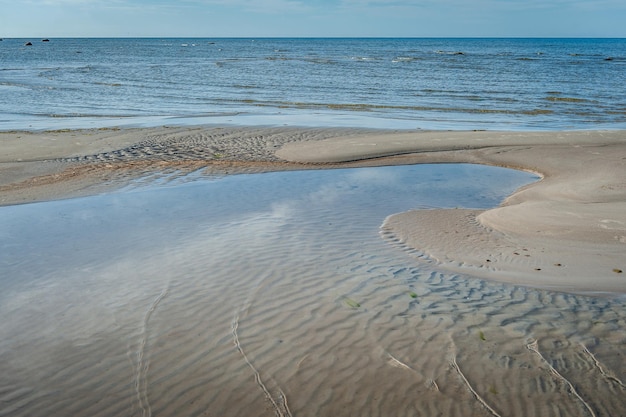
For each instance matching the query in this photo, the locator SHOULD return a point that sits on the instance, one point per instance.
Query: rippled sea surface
(513, 84)
(274, 294)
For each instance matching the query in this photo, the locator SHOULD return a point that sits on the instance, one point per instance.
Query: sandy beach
(290, 294)
(566, 232)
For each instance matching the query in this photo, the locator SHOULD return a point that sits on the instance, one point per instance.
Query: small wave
(405, 59)
(368, 107)
(35, 87)
(567, 99)
(320, 61)
(8, 84)
(108, 84)
(246, 87)
(277, 58)
(81, 115)
(363, 58)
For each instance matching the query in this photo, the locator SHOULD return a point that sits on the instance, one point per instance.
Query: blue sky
(258, 18)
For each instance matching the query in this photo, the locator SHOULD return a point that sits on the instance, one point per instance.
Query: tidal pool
(274, 294)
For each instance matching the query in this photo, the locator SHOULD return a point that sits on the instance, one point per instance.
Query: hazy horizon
(321, 18)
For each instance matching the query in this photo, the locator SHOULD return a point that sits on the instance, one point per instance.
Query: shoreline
(566, 232)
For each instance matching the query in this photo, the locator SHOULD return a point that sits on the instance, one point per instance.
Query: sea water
(509, 84)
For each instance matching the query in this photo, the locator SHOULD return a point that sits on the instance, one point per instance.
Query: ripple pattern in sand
(215, 144)
(286, 307)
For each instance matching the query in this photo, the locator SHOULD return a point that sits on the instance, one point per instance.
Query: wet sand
(132, 313)
(567, 232)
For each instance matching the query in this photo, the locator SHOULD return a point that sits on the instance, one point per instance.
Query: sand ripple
(314, 315)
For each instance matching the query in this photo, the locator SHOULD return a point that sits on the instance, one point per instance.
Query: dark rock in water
(45, 40)
(28, 44)
(609, 58)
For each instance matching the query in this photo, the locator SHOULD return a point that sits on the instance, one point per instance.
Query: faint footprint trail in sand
(141, 372)
(533, 346)
(280, 406)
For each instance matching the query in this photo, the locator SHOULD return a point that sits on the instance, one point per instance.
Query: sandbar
(566, 232)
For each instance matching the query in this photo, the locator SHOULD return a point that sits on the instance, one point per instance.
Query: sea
(426, 83)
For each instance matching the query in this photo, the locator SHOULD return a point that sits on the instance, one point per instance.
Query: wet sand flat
(555, 234)
(257, 295)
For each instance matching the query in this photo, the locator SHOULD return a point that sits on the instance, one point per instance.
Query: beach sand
(566, 232)
(197, 323)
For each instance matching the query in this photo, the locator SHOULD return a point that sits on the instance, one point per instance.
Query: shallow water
(495, 84)
(274, 294)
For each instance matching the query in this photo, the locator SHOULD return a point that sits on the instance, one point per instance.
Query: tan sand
(40, 166)
(169, 332)
(566, 232)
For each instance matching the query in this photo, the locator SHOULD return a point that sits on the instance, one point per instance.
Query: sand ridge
(48, 165)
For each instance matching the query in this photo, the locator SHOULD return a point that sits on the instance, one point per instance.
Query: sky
(312, 18)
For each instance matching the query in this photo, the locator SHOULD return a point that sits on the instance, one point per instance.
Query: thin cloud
(259, 6)
(491, 4)
(314, 17)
